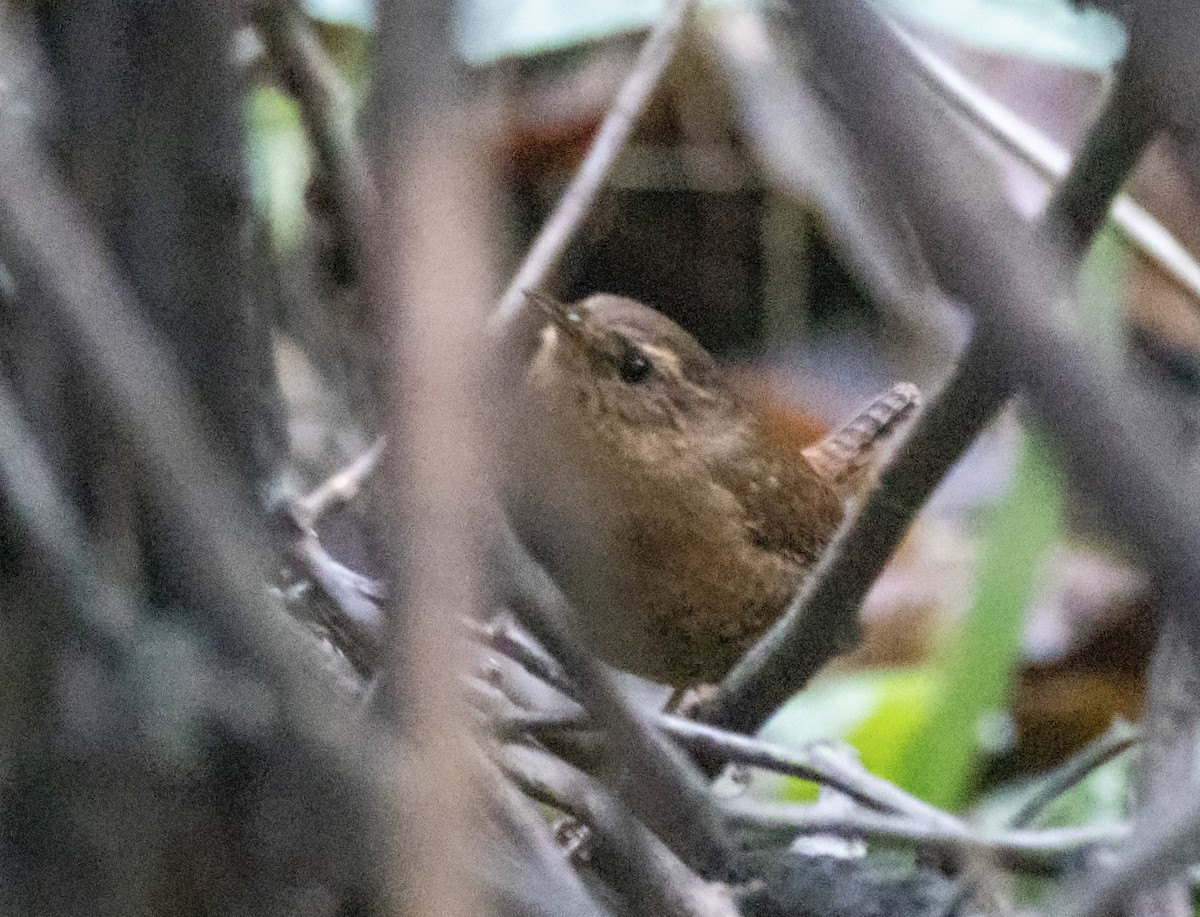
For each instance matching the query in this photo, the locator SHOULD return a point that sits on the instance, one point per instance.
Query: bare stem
(579, 195)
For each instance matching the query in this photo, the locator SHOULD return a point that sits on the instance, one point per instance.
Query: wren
(677, 517)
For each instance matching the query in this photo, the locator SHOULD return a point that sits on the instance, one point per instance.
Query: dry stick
(818, 763)
(627, 856)
(540, 878)
(1034, 851)
(822, 620)
(662, 789)
(325, 108)
(1122, 460)
(1051, 162)
(579, 195)
(340, 488)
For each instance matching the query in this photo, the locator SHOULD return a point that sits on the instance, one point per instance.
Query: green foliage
(875, 712)
(279, 164)
(976, 664)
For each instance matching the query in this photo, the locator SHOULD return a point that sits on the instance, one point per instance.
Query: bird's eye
(635, 367)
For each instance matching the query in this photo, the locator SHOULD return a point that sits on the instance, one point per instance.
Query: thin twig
(822, 621)
(503, 636)
(340, 488)
(1052, 162)
(1034, 851)
(1119, 737)
(536, 877)
(579, 195)
(818, 763)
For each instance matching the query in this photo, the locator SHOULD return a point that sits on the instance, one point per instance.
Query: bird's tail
(848, 456)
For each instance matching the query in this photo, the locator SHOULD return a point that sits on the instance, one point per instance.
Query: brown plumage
(674, 517)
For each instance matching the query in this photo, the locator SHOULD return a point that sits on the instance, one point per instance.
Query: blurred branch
(1052, 162)
(1117, 739)
(434, 281)
(1148, 858)
(1033, 851)
(54, 527)
(44, 242)
(340, 488)
(579, 195)
(326, 109)
(823, 619)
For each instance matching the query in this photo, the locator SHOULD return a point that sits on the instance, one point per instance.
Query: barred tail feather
(849, 454)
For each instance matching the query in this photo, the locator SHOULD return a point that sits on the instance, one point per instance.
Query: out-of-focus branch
(429, 305)
(1052, 162)
(326, 110)
(1147, 859)
(579, 195)
(823, 620)
(340, 488)
(1034, 851)
(53, 525)
(46, 246)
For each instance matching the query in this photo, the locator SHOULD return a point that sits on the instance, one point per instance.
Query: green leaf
(978, 662)
(875, 712)
(279, 164)
(1102, 294)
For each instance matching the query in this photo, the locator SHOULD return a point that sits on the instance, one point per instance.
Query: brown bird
(679, 520)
